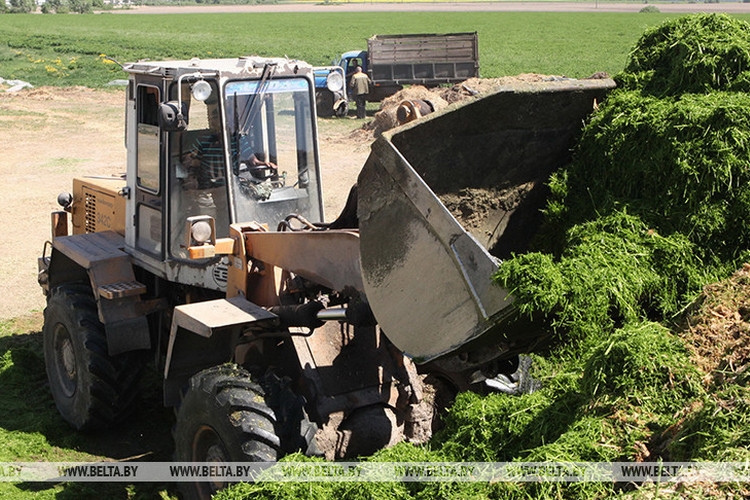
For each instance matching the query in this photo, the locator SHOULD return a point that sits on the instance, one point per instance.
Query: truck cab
(379, 90)
(350, 60)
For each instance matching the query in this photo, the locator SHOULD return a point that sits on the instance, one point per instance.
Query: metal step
(121, 289)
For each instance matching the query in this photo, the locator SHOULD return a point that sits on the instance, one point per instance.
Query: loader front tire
(225, 416)
(91, 389)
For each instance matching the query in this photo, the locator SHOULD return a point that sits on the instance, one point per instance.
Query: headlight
(201, 90)
(201, 231)
(334, 81)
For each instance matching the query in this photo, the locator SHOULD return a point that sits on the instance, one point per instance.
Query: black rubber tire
(223, 417)
(91, 389)
(342, 110)
(324, 103)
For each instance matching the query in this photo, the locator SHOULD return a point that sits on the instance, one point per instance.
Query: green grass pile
(672, 144)
(680, 164)
(652, 208)
(655, 201)
(694, 54)
(613, 271)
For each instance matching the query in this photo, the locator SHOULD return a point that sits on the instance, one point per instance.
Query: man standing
(360, 86)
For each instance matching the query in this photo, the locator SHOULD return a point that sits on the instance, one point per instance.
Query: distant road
(551, 6)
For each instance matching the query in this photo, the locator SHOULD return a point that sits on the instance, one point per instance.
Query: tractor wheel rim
(66, 361)
(208, 448)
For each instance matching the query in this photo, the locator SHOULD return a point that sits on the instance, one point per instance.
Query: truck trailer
(392, 61)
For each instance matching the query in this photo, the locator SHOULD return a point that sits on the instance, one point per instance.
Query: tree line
(88, 6)
(52, 6)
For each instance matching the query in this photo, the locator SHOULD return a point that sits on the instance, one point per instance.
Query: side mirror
(173, 116)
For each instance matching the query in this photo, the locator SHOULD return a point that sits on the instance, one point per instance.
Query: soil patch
(718, 331)
(439, 97)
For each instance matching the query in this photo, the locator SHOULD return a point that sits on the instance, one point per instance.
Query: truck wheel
(324, 103)
(342, 110)
(225, 417)
(91, 389)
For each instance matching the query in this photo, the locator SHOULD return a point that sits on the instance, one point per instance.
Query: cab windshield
(272, 150)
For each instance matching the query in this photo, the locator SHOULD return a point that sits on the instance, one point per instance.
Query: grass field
(69, 49)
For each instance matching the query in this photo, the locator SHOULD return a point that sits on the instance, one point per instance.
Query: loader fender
(204, 334)
(98, 259)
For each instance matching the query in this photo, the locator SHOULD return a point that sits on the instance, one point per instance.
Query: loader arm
(328, 258)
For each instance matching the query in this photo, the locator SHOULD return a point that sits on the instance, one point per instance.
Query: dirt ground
(55, 134)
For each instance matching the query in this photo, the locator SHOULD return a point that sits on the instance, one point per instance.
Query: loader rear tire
(225, 416)
(91, 389)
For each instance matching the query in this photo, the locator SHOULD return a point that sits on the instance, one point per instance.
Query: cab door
(149, 219)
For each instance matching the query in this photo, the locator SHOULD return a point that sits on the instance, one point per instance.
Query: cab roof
(245, 66)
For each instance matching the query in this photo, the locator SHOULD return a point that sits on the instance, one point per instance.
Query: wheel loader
(275, 330)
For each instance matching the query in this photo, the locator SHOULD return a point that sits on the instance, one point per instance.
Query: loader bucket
(444, 199)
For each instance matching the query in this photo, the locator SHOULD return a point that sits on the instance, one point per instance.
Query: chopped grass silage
(635, 378)
(653, 206)
(672, 143)
(613, 271)
(647, 357)
(680, 164)
(691, 54)
(716, 429)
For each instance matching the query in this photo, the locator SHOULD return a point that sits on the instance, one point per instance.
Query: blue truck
(392, 61)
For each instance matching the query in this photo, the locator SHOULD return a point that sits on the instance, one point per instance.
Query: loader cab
(222, 141)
